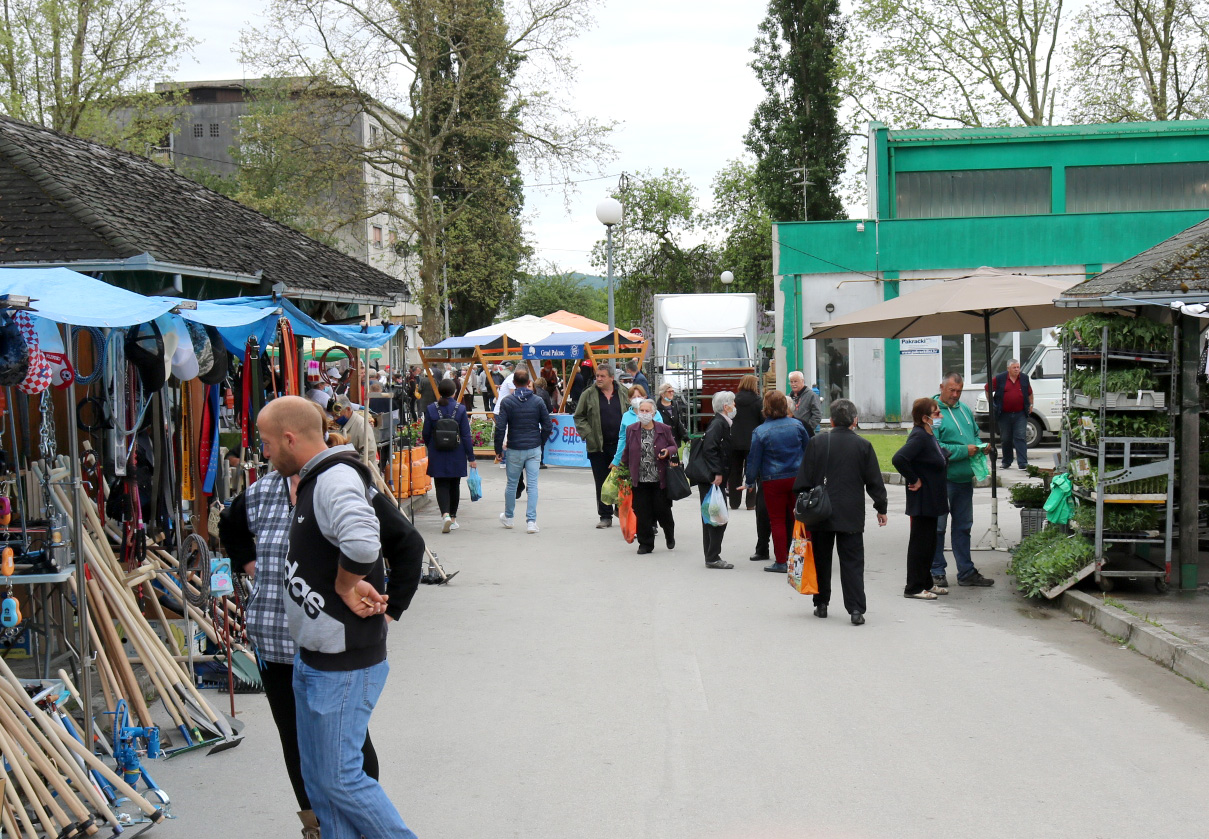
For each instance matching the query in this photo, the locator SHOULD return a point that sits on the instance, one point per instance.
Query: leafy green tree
(67, 64)
(740, 217)
(796, 126)
(484, 247)
(555, 289)
(662, 246)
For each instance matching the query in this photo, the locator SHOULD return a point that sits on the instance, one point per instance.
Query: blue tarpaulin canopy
(65, 296)
(236, 336)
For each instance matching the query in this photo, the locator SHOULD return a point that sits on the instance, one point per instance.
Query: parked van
(1044, 369)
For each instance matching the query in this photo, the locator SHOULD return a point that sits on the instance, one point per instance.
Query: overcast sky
(673, 73)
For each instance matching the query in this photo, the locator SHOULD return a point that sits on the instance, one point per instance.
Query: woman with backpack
(446, 433)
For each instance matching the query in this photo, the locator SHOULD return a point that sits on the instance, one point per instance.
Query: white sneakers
(453, 525)
(447, 523)
(530, 527)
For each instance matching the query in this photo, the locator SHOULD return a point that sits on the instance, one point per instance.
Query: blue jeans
(961, 511)
(1012, 428)
(517, 461)
(333, 708)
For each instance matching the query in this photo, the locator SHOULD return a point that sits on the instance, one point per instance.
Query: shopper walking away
(806, 404)
(749, 413)
(777, 446)
(1012, 402)
(446, 433)
(714, 452)
(957, 433)
(675, 412)
(339, 626)
(581, 380)
(598, 421)
(521, 423)
(542, 389)
(649, 447)
(846, 464)
(637, 394)
(922, 462)
(636, 376)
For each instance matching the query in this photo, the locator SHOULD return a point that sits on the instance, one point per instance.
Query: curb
(1155, 643)
(895, 479)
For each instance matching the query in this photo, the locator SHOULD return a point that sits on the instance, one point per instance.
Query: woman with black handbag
(708, 465)
(923, 462)
(838, 470)
(649, 448)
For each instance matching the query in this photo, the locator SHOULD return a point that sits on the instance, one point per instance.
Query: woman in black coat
(749, 413)
(923, 463)
(713, 451)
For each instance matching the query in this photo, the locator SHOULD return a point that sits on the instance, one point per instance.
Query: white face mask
(646, 416)
(936, 421)
(635, 402)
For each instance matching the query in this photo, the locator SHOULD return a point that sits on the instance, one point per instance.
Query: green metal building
(1065, 201)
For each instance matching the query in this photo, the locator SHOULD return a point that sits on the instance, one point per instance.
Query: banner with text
(565, 447)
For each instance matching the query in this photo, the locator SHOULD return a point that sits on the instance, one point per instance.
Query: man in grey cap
(353, 425)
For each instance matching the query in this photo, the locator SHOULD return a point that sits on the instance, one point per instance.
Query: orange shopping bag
(629, 519)
(802, 577)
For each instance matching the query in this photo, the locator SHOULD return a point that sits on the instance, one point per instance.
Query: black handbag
(814, 505)
(678, 486)
(697, 470)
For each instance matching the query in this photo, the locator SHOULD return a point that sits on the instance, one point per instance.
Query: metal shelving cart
(1128, 470)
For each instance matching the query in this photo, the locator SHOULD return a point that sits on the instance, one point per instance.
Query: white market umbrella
(984, 302)
(526, 329)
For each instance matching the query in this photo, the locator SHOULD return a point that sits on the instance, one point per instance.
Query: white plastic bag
(713, 509)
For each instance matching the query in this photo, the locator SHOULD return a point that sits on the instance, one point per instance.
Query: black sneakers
(976, 579)
(942, 581)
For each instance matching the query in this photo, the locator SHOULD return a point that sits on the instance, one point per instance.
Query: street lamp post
(608, 212)
(727, 278)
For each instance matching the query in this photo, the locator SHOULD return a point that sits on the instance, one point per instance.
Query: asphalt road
(562, 687)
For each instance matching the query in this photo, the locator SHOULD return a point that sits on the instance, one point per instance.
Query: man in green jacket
(957, 433)
(598, 421)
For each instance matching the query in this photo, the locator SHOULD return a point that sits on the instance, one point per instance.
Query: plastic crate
(1031, 521)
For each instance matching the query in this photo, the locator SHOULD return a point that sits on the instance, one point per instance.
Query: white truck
(718, 330)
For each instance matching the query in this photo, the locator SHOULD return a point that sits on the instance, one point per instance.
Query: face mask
(646, 416)
(936, 422)
(340, 421)
(635, 402)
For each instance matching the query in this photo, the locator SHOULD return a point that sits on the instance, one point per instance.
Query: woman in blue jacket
(776, 453)
(447, 468)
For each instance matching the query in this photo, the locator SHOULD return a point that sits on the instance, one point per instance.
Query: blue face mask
(340, 421)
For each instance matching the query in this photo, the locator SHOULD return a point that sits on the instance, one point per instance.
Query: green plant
(1119, 518)
(1029, 496)
(1124, 333)
(1044, 563)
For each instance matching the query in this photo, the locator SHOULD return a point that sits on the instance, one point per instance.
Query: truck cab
(1044, 369)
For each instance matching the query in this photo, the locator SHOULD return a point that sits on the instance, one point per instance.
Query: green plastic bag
(982, 469)
(609, 489)
(1059, 507)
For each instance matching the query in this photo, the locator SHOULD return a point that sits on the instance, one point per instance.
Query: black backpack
(447, 433)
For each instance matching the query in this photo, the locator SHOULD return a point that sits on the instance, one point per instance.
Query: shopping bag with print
(801, 571)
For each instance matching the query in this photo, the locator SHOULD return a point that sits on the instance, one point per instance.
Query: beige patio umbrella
(984, 302)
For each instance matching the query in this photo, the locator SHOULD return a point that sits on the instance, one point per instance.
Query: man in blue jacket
(1012, 394)
(521, 423)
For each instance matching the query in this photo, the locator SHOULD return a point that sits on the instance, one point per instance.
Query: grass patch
(886, 443)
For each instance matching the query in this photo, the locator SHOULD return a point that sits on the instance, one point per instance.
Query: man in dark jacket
(713, 454)
(847, 464)
(1012, 393)
(521, 424)
(598, 422)
(806, 405)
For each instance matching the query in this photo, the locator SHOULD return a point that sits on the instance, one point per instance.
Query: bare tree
(412, 66)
